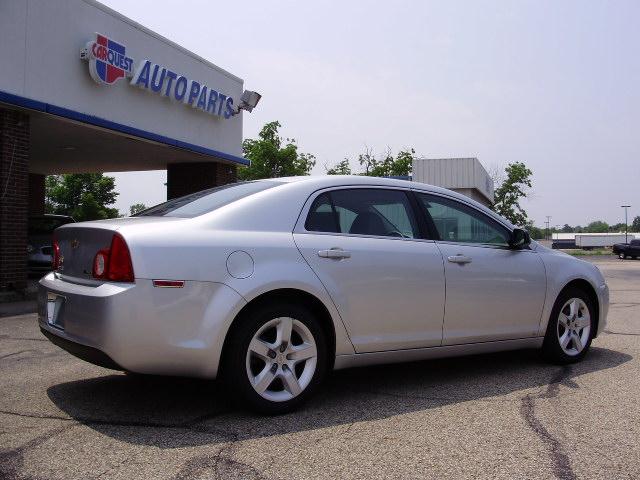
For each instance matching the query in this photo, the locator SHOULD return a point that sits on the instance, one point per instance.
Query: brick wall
(14, 194)
(186, 178)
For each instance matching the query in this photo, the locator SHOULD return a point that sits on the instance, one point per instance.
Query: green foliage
(270, 159)
(535, 232)
(617, 227)
(597, 226)
(84, 196)
(635, 225)
(137, 208)
(387, 166)
(342, 168)
(508, 194)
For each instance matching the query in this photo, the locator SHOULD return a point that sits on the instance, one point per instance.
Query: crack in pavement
(621, 333)
(222, 464)
(17, 353)
(191, 424)
(559, 457)
(7, 337)
(624, 305)
(12, 460)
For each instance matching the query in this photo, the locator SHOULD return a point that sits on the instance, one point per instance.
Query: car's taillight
(114, 263)
(120, 267)
(100, 264)
(56, 254)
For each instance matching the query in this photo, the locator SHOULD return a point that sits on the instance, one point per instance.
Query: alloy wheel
(281, 359)
(574, 326)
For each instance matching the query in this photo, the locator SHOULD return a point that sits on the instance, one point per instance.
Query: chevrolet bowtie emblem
(75, 243)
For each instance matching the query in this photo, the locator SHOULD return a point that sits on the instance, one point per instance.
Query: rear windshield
(206, 201)
(42, 225)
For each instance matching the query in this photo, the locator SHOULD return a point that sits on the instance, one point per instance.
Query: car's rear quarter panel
(200, 254)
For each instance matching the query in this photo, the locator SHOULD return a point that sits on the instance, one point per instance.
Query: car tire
(622, 256)
(257, 349)
(571, 327)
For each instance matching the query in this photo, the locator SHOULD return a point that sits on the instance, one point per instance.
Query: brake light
(114, 263)
(120, 268)
(56, 254)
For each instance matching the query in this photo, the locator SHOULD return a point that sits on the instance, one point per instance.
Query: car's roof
(323, 181)
(317, 182)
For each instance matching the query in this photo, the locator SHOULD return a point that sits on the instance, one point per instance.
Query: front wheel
(570, 328)
(622, 256)
(276, 357)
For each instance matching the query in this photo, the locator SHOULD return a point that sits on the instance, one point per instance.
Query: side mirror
(519, 239)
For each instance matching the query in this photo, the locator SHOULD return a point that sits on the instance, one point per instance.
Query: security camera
(248, 101)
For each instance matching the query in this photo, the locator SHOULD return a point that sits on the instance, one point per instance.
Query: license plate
(55, 303)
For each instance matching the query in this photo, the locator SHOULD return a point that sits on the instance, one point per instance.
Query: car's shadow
(172, 413)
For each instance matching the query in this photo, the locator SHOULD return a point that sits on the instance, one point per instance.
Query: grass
(581, 253)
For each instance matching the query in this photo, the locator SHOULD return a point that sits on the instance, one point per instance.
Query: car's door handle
(459, 259)
(337, 253)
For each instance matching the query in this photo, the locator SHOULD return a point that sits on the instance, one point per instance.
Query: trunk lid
(79, 243)
(78, 247)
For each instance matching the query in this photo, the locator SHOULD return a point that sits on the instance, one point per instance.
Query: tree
(270, 159)
(567, 228)
(387, 166)
(535, 232)
(508, 194)
(137, 208)
(617, 227)
(635, 225)
(84, 196)
(342, 168)
(597, 226)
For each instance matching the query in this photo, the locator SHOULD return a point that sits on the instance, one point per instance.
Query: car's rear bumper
(141, 328)
(83, 352)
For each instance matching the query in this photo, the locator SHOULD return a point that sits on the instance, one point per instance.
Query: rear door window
(363, 211)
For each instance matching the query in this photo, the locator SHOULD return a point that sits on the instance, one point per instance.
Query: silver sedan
(270, 284)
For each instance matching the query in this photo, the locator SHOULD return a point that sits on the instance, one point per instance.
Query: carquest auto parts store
(123, 99)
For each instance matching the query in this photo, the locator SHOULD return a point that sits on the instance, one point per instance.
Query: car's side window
(456, 222)
(322, 216)
(363, 211)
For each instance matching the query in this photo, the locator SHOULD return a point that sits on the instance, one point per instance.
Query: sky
(555, 85)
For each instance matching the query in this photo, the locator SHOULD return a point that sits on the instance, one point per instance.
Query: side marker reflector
(168, 283)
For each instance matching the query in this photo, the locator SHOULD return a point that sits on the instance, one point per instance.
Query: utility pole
(625, 222)
(548, 222)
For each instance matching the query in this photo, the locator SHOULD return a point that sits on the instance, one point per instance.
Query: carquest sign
(107, 60)
(108, 63)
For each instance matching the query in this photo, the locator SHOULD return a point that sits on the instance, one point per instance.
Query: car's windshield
(206, 201)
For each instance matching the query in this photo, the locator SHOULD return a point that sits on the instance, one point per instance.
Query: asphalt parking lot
(506, 415)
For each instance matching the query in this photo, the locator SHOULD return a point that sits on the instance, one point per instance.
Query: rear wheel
(276, 357)
(570, 328)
